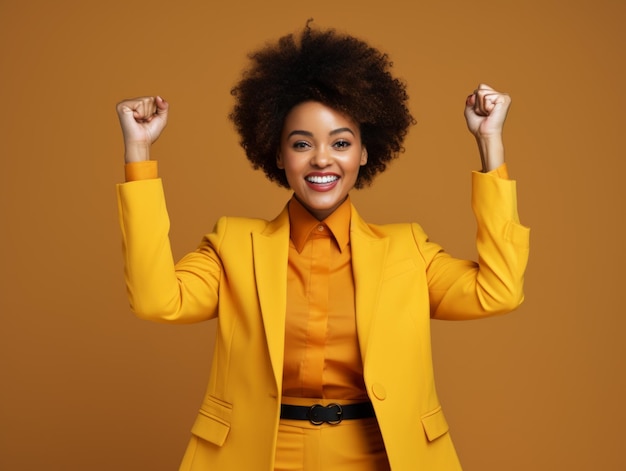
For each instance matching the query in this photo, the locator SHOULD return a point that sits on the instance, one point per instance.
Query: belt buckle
(312, 414)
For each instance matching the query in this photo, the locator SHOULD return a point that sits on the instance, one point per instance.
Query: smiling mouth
(320, 180)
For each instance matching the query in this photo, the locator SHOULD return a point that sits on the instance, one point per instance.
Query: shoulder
(238, 230)
(401, 238)
(400, 233)
(391, 230)
(238, 224)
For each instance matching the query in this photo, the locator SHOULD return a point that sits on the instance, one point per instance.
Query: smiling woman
(322, 358)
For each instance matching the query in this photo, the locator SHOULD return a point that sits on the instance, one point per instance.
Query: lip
(322, 187)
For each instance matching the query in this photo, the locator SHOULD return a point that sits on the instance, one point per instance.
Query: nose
(321, 157)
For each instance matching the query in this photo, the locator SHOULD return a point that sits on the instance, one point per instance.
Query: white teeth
(324, 179)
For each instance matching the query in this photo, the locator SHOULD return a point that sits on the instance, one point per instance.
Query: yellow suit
(238, 274)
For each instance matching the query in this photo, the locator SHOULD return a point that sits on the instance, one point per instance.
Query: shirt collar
(302, 222)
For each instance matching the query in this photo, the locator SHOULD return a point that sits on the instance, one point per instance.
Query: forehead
(311, 115)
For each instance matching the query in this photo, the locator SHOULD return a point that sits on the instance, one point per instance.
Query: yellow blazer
(238, 275)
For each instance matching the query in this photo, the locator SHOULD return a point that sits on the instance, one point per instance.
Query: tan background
(86, 386)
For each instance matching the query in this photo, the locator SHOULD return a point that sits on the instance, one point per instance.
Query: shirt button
(320, 228)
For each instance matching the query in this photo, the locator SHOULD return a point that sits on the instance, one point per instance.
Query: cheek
(291, 169)
(356, 164)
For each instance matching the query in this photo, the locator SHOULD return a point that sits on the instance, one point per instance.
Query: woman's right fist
(142, 120)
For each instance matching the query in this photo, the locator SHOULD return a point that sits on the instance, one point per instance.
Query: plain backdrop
(85, 385)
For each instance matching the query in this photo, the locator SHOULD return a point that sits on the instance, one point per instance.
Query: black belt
(333, 414)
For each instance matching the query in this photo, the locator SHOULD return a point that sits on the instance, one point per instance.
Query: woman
(322, 358)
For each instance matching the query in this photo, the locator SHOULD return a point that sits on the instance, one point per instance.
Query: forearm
(491, 151)
(502, 243)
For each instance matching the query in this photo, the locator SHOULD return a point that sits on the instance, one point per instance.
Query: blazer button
(379, 391)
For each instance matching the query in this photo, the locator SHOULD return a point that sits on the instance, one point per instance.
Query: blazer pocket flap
(213, 422)
(435, 424)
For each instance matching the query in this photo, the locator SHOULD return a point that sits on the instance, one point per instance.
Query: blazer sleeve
(158, 289)
(461, 289)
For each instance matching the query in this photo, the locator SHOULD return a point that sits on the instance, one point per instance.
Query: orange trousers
(352, 445)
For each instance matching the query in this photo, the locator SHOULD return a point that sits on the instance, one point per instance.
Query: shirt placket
(318, 301)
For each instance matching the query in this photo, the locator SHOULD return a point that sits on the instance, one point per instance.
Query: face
(321, 153)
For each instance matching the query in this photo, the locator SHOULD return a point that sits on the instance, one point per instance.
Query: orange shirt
(322, 357)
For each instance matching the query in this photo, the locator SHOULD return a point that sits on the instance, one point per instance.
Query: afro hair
(337, 70)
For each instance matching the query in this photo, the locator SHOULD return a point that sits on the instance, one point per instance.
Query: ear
(363, 156)
(279, 161)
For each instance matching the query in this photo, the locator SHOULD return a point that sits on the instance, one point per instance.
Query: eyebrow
(310, 134)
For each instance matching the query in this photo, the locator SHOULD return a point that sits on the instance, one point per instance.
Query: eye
(300, 145)
(342, 144)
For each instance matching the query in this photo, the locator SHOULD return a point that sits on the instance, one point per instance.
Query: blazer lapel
(369, 254)
(271, 251)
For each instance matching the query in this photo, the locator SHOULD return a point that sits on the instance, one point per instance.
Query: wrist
(136, 152)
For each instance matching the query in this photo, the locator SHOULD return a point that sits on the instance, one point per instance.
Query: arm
(157, 289)
(462, 289)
